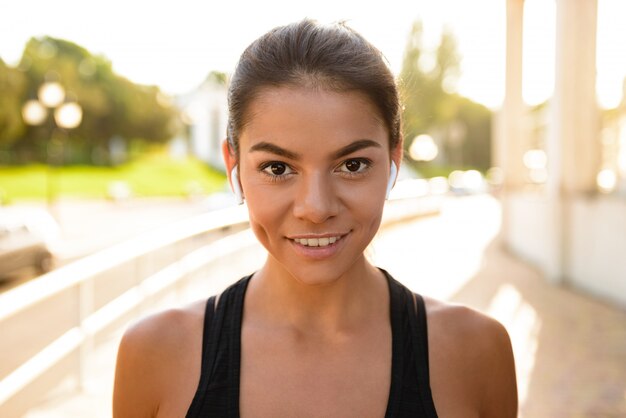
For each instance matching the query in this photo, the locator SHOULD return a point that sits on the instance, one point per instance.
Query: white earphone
(393, 173)
(236, 186)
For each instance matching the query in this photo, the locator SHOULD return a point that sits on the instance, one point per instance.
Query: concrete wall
(597, 256)
(527, 227)
(592, 253)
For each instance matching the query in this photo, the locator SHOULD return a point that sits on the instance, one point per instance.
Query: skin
(314, 316)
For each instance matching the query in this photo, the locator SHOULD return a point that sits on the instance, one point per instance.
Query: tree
(427, 82)
(112, 105)
(415, 87)
(12, 87)
(424, 87)
(217, 77)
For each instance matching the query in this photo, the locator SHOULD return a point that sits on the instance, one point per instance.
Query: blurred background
(114, 203)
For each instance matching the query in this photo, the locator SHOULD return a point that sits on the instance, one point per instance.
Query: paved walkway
(570, 349)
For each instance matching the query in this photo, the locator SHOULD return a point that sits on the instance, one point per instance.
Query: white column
(573, 145)
(508, 141)
(509, 144)
(573, 141)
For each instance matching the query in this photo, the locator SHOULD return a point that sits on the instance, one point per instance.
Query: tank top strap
(233, 331)
(398, 345)
(419, 334)
(209, 348)
(221, 345)
(209, 345)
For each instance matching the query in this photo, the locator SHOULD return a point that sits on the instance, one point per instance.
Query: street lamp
(51, 94)
(34, 113)
(67, 115)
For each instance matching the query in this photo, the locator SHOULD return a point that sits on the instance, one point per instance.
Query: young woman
(314, 142)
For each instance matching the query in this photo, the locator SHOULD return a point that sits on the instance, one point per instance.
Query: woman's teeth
(316, 242)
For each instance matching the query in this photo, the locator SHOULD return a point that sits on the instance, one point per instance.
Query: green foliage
(422, 89)
(151, 175)
(12, 87)
(112, 105)
(217, 77)
(461, 127)
(429, 170)
(476, 147)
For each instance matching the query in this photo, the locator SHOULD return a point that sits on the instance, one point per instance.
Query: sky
(176, 44)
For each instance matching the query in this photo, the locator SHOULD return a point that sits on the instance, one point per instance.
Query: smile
(316, 242)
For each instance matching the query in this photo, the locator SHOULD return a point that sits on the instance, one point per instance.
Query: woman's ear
(230, 159)
(396, 154)
(232, 171)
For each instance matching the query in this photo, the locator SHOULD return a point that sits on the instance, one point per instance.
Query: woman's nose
(315, 200)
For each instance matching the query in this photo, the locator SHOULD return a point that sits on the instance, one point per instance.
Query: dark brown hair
(310, 54)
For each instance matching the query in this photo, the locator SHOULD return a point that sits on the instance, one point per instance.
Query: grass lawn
(150, 175)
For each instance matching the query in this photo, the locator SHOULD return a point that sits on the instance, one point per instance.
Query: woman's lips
(318, 247)
(317, 242)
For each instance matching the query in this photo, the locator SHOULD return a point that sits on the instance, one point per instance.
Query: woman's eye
(276, 169)
(354, 166)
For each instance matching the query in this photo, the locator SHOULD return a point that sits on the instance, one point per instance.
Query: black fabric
(218, 390)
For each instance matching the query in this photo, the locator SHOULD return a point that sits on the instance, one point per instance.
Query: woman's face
(314, 167)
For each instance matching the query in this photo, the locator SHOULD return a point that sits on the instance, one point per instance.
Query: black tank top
(218, 391)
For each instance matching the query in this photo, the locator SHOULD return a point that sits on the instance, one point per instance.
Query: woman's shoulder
(471, 333)
(167, 329)
(462, 321)
(153, 353)
(170, 328)
(474, 351)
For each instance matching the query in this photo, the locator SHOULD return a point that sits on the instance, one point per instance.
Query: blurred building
(205, 111)
(564, 165)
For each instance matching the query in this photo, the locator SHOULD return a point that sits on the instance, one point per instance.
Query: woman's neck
(341, 304)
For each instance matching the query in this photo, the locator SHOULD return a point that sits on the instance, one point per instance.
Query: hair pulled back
(309, 54)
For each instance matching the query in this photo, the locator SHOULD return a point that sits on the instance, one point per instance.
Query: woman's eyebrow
(356, 146)
(274, 149)
(342, 152)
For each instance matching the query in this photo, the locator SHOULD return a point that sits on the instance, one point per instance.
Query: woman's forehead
(298, 117)
(288, 93)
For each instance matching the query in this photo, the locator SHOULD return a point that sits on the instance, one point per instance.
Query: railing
(50, 325)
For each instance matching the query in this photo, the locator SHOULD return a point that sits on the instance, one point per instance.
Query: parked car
(25, 242)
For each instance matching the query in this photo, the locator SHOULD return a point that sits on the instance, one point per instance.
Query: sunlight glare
(535, 158)
(610, 57)
(423, 148)
(523, 324)
(606, 180)
(538, 50)
(201, 38)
